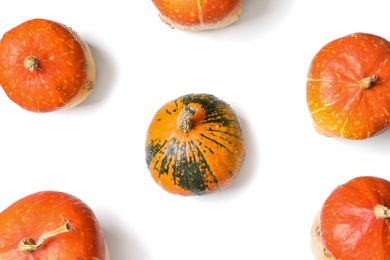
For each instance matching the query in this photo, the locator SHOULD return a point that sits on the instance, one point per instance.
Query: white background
(258, 65)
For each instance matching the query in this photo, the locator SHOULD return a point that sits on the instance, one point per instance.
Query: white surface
(258, 65)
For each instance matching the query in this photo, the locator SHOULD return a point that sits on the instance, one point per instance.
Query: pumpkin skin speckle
(45, 66)
(348, 87)
(202, 160)
(354, 222)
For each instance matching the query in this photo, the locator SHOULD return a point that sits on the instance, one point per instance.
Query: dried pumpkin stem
(367, 82)
(381, 212)
(31, 63)
(183, 122)
(27, 246)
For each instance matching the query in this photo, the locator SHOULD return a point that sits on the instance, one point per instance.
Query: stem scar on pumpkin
(318, 234)
(90, 85)
(326, 253)
(318, 231)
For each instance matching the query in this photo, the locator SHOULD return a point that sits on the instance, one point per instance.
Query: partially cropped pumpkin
(195, 15)
(354, 222)
(195, 145)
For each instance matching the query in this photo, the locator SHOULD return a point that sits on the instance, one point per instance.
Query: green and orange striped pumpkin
(195, 145)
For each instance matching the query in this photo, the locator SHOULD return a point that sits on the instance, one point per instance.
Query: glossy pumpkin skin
(343, 97)
(350, 226)
(203, 160)
(194, 15)
(64, 72)
(41, 212)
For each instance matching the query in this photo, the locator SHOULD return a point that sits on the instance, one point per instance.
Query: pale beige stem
(183, 122)
(367, 82)
(381, 212)
(31, 63)
(27, 246)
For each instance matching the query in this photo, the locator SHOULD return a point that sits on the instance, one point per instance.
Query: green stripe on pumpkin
(185, 161)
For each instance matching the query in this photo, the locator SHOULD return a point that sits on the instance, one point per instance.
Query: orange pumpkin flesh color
(348, 87)
(195, 145)
(51, 225)
(45, 66)
(354, 222)
(195, 15)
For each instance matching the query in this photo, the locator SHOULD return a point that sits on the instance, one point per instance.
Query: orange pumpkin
(348, 87)
(195, 145)
(354, 222)
(51, 225)
(45, 66)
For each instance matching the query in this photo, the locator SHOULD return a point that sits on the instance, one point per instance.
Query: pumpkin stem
(367, 82)
(31, 63)
(183, 122)
(27, 246)
(381, 212)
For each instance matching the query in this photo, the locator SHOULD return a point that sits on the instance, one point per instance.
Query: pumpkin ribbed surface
(355, 220)
(206, 157)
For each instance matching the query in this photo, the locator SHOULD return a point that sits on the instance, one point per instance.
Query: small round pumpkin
(348, 87)
(354, 222)
(45, 66)
(195, 145)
